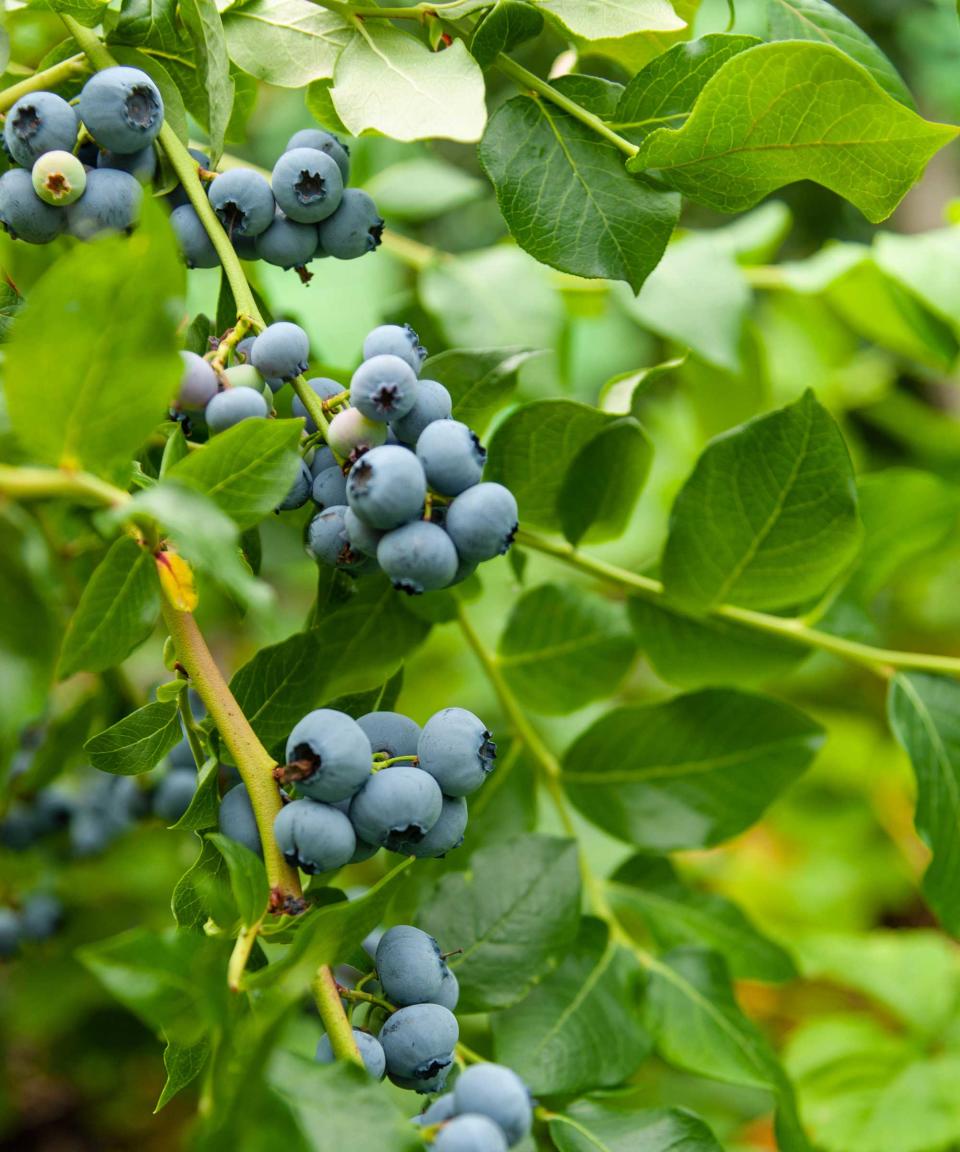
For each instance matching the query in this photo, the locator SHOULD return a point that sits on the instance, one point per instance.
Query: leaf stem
(68, 69)
(240, 956)
(327, 996)
(46, 483)
(878, 660)
(313, 404)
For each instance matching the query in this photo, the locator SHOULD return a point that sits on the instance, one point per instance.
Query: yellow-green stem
(47, 483)
(240, 955)
(327, 997)
(69, 69)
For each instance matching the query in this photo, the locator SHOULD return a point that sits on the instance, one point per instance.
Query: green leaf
(611, 20)
(204, 806)
(147, 22)
(246, 470)
(422, 189)
(768, 518)
(285, 42)
(86, 12)
(616, 1124)
(138, 742)
(202, 20)
(819, 21)
(90, 417)
(116, 613)
(189, 902)
(248, 878)
(479, 380)
(567, 198)
(507, 24)
(924, 713)
(542, 450)
(646, 889)
(580, 1027)
(665, 90)
(696, 652)
(183, 1065)
(11, 303)
(561, 648)
(512, 915)
(693, 1014)
(387, 81)
(320, 105)
(814, 114)
(924, 265)
(689, 772)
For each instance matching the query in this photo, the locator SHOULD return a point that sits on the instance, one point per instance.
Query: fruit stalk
(330, 1006)
(67, 69)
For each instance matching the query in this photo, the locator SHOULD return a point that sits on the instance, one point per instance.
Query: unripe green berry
(59, 178)
(244, 376)
(350, 430)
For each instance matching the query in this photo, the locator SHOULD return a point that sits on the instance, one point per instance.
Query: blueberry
(350, 431)
(371, 1052)
(243, 348)
(409, 966)
(90, 833)
(471, 1132)
(433, 403)
(23, 214)
(52, 811)
(110, 203)
(39, 122)
(122, 109)
(384, 388)
(174, 793)
(178, 196)
(59, 178)
(281, 351)
(498, 1093)
(244, 376)
(322, 387)
(196, 247)
(232, 406)
(141, 165)
(9, 932)
(198, 386)
(395, 340)
(244, 246)
(362, 537)
(242, 201)
(19, 828)
(456, 749)
(452, 457)
(328, 543)
(287, 243)
(335, 749)
(314, 837)
(386, 487)
(354, 229)
(40, 917)
(391, 733)
(418, 1043)
(237, 820)
(482, 522)
(299, 492)
(441, 1109)
(323, 459)
(444, 836)
(329, 488)
(419, 557)
(397, 805)
(323, 142)
(449, 993)
(307, 185)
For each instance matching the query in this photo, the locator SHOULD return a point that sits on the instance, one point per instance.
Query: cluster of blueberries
(377, 782)
(39, 917)
(489, 1108)
(303, 213)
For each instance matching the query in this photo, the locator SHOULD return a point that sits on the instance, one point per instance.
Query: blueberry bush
(479, 649)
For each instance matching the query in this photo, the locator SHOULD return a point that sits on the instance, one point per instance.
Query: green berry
(59, 178)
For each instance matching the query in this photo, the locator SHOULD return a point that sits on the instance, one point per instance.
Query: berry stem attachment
(326, 993)
(313, 404)
(355, 996)
(68, 69)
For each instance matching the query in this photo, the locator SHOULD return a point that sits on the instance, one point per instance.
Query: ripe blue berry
(409, 966)
(110, 203)
(41, 916)
(281, 351)
(232, 406)
(9, 933)
(299, 492)
(418, 1043)
(174, 793)
(433, 403)
(122, 109)
(323, 142)
(324, 388)
(287, 243)
(59, 178)
(141, 165)
(314, 837)
(391, 733)
(307, 185)
(327, 541)
(362, 537)
(336, 751)
(471, 1132)
(329, 488)
(482, 522)
(52, 810)
(23, 214)
(354, 229)
(419, 557)
(443, 837)
(396, 806)
(384, 388)
(39, 122)
(395, 340)
(237, 820)
(456, 749)
(243, 348)
(350, 431)
(198, 384)
(452, 457)
(370, 1048)
(449, 992)
(242, 201)
(497, 1092)
(441, 1109)
(196, 247)
(386, 487)
(323, 459)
